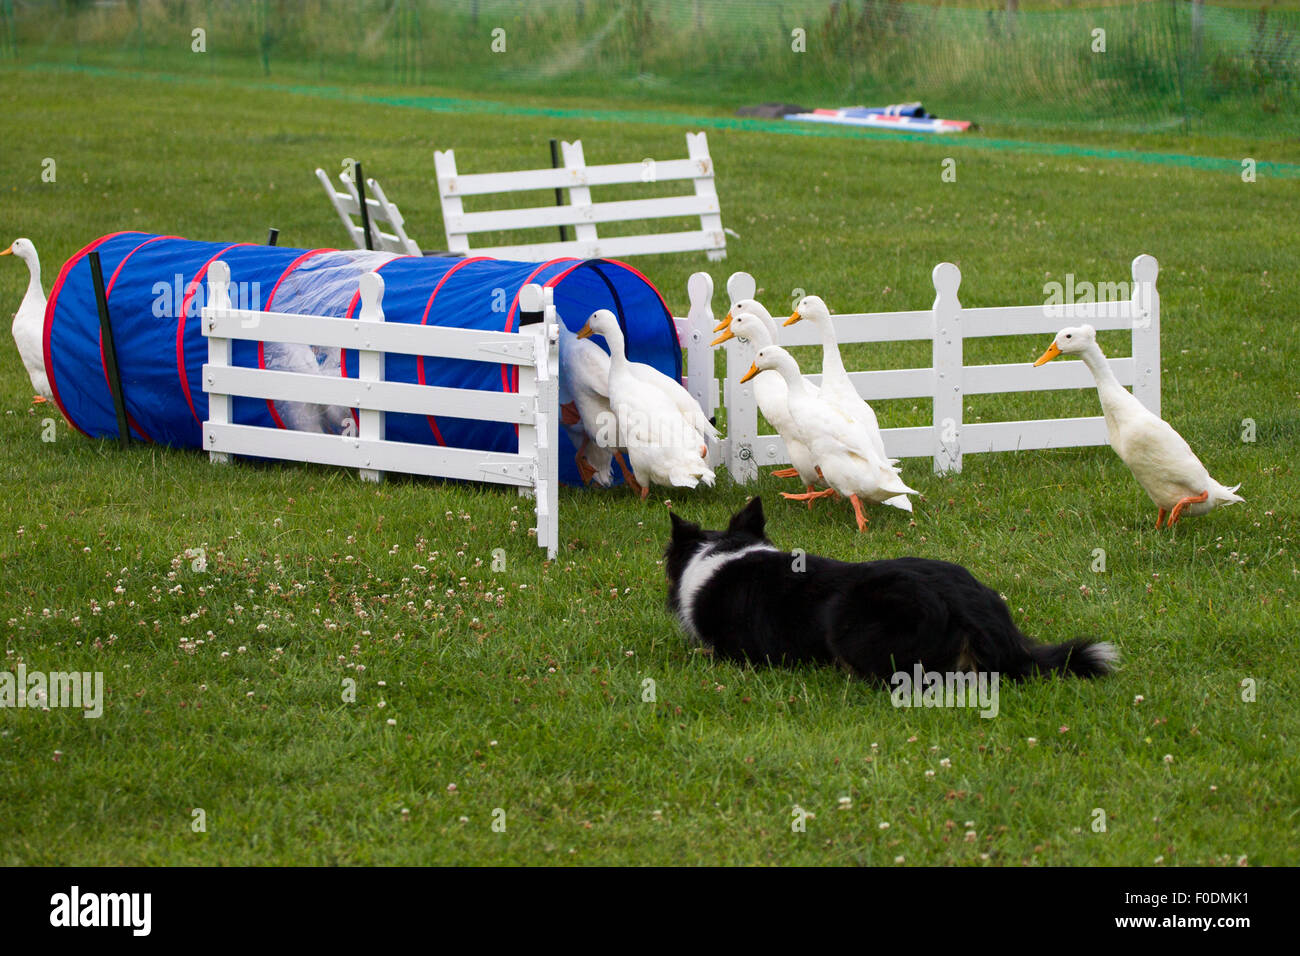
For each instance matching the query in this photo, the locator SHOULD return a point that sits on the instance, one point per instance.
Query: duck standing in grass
(758, 310)
(771, 394)
(29, 320)
(837, 388)
(839, 443)
(1160, 459)
(664, 441)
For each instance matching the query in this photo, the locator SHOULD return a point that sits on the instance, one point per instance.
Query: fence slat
(1034, 434)
(329, 331)
(862, 327)
(1042, 319)
(610, 247)
(579, 214)
(478, 184)
(1023, 377)
(354, 452)
(407, 398)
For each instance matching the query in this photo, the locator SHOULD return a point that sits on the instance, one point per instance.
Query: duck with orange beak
(840, 446)
(1160, 459)
(837, 388)
(663, 444)
(770, 393)
(29, 320)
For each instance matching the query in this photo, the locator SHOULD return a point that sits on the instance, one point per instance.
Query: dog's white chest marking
(702, 566)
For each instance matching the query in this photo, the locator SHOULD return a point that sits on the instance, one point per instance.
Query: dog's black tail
(1076, 658)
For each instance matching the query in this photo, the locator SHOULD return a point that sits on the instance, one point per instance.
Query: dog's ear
(749, 519)
(683, 530)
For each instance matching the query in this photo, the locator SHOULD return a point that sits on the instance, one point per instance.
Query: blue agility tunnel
(156, 286)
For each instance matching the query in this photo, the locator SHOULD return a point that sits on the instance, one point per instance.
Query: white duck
(585, 411)
(29, 320)
(663, 445)
(305, 416)
(688, 407)
(771, 394)
(754, 307)
(839, 444)
(837, 388)
(1160, 459)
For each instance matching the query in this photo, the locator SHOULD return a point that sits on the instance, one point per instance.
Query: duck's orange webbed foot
(857, 510)
(1189, 500)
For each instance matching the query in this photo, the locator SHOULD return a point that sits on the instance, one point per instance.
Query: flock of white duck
(625, 412)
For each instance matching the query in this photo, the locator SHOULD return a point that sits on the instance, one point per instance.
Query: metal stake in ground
(559, 193)
(272, 236)
(361, 201)
(110, 351)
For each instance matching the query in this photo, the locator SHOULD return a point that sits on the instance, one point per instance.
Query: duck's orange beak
(10, 252)
(753, 370)
(585, 332)
(1051, 353)
(725, 323)
(726, 334)
(794, 317)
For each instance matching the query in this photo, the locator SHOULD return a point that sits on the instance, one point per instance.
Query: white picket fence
(583, 215)
(534, 469)
(946, 325)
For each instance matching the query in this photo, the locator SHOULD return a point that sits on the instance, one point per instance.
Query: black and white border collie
(736, 593)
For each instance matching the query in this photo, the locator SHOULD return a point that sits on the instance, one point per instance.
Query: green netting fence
(1156, 65)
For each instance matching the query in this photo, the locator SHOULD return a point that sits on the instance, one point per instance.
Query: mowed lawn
(519, 694)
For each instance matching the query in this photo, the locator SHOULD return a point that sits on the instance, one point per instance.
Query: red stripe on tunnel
(424, 319)
(190, 289)
(261, 346)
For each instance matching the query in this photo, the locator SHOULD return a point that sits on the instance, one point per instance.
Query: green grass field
(521, 690)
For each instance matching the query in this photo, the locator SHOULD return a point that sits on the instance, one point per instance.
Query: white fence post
(697, 148)
(699, 354)
(531, 300)
(370, 366)
(444, 165)
(740, 286)
(742, 407)
(1146, 332)
(947, 360)
(579, 193)
(219, 349)
(548, 427)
